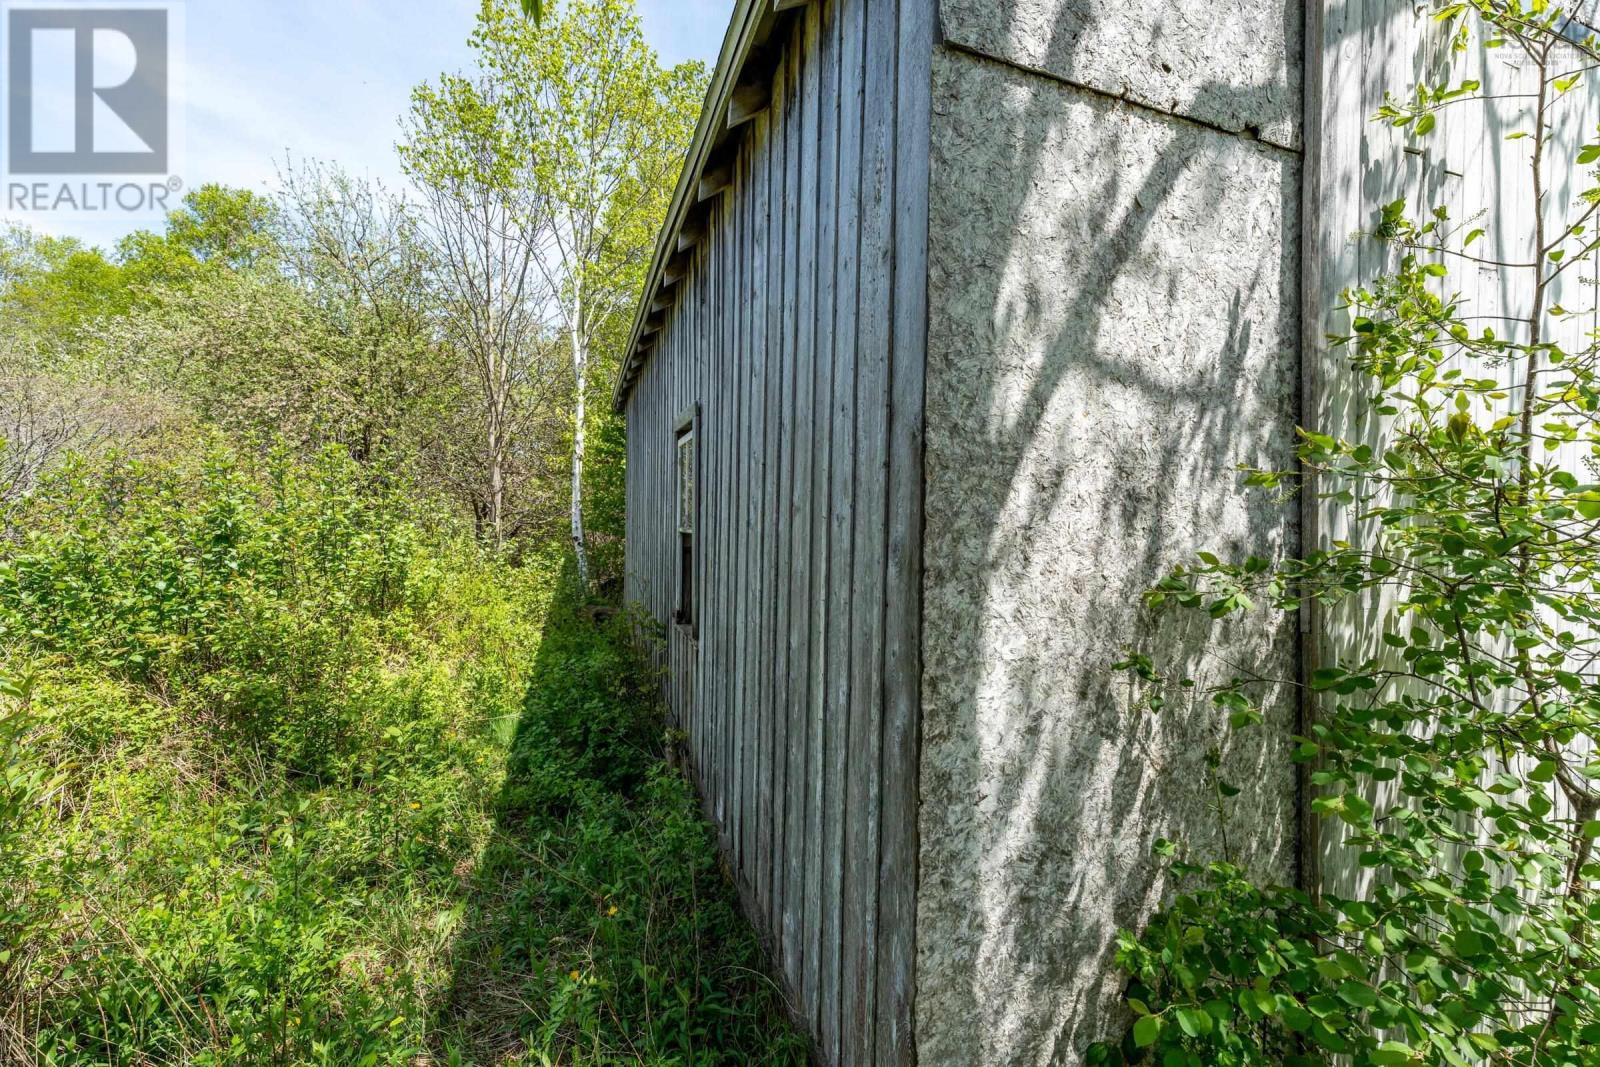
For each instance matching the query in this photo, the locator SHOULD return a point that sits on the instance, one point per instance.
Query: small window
(688, 509)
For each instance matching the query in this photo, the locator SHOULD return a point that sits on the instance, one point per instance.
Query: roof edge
(727, 108)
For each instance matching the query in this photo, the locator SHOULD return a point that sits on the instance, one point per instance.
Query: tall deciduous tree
(217, 229)
(484, 215)
(53, 287)
(354, 249)
(608, 128)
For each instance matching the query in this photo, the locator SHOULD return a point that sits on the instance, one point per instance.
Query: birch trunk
(580, 368)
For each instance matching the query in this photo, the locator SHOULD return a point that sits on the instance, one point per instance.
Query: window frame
(686, 519)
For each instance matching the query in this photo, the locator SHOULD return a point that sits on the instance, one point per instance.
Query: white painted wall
(1368, 48)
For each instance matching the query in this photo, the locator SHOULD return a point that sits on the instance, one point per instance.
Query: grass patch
(602, 927)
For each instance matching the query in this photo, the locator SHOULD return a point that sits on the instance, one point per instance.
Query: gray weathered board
(798, 330)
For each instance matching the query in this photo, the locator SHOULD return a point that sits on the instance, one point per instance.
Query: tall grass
(294, 774)
(602, 929)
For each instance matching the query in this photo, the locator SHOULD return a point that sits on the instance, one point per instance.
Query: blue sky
(330, 78)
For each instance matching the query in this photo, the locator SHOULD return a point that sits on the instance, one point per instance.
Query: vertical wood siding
(800, 333)
(1363, 49)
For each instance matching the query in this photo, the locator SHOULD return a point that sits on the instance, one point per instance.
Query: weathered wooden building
(964, 315)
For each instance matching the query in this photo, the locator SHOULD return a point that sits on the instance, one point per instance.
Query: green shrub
(273, 692)
(249, 599)
(303, 777)
(1452, 697)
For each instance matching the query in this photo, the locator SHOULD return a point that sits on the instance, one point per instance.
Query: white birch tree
(609, 128)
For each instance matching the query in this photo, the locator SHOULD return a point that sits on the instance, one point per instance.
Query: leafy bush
(245, 600)
(263, 745)
(270, 691)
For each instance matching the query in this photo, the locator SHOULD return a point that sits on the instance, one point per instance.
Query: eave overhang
(739, 92)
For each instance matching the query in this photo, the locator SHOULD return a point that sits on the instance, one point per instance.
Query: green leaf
(1195, 1022)
(1146, 1030)
(1469, 943)
(1326, 677)
(533, 9)
(1244, 717)
(1586, 503)
(1358, 994)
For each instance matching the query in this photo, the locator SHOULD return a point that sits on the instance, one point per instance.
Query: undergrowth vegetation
(293, 772)
(604, 930)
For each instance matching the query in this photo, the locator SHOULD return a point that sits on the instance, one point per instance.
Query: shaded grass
(601, 928)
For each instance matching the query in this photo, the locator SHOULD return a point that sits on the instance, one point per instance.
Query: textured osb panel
(1234, 65)
(1114, 327)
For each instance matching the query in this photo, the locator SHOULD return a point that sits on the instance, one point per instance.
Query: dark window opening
(688, 502)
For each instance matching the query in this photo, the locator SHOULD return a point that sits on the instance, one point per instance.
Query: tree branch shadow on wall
(1089, 395)
(1105, 438)
(1470, 167)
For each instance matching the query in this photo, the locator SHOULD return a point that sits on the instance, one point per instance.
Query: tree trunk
(497, 485)
(497, 451)
(580, 368)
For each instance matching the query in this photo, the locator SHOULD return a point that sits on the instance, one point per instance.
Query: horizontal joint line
(1039, 72)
